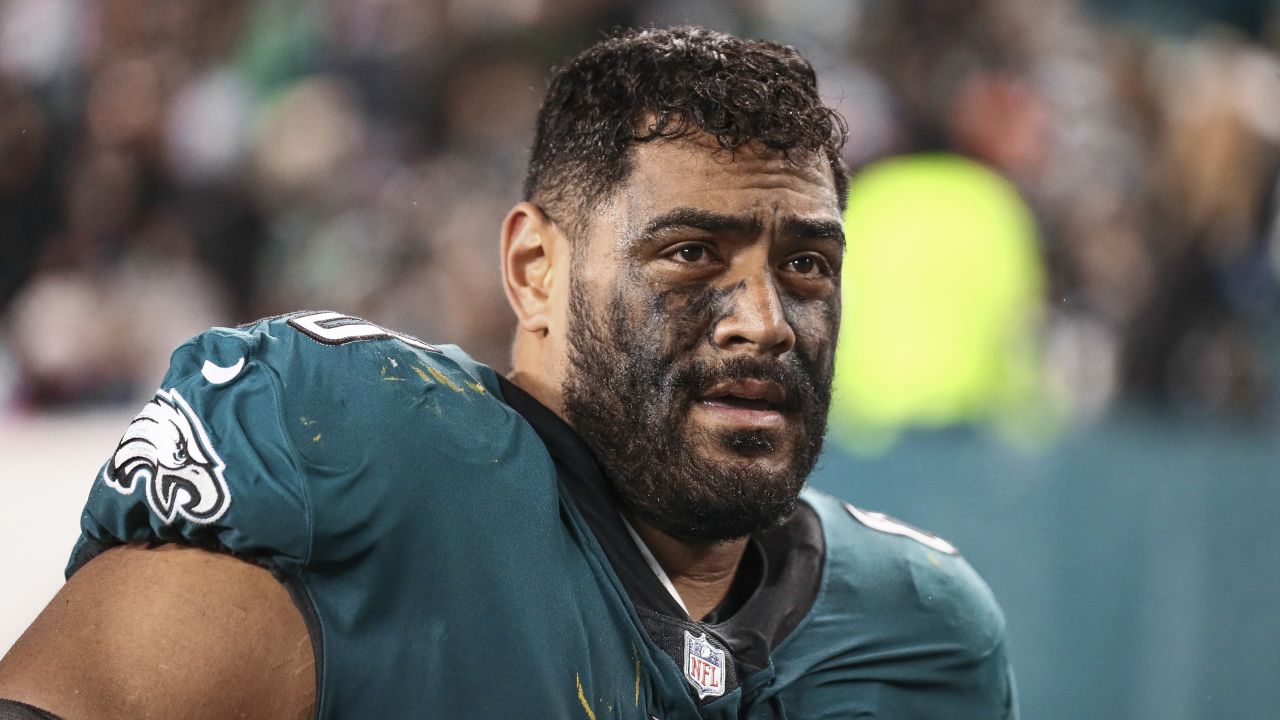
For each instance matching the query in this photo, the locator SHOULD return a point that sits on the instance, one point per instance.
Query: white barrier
(47, 464)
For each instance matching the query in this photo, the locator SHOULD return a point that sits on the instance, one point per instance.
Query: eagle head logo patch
(167, 452)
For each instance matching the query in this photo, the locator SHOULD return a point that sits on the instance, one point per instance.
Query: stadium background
(1061, 342)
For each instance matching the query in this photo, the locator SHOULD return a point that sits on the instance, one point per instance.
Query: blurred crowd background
(167, 166)
(1062, 226)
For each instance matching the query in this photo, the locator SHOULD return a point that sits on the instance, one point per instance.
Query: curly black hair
(643, 85)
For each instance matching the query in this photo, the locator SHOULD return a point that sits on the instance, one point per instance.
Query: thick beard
(630, 402)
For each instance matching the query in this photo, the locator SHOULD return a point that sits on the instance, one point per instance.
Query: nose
(755, 321)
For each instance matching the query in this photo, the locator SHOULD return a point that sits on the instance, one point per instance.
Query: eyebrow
(810, 229)
(721, 223)
(698, 219)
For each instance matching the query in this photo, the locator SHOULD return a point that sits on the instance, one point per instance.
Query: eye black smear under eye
(688, 313)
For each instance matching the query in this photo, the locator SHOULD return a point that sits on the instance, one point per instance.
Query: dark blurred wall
(1135, 560)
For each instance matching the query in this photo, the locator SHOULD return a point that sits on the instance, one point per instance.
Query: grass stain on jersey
(444, 379)
(635, 655)
(582, 698)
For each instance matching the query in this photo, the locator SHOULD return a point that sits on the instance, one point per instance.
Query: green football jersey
(456, 553)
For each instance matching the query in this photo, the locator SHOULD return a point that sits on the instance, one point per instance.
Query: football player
(319, 517)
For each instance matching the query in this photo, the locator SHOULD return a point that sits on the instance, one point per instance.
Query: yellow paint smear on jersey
(636, 655)
(444, 379)
(422, 374)
(582, 698)
(316, 439)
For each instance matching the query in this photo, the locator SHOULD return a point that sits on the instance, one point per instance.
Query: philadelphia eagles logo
(167, 451)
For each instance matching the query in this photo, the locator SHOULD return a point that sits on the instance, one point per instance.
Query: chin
(761, 447)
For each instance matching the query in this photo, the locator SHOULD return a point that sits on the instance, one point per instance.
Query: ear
(529, 240)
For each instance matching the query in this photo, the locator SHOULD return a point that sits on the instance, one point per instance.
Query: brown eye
(809, 265)
(804, 265)
(691, 253)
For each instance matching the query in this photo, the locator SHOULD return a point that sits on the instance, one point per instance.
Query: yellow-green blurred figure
(942, 298)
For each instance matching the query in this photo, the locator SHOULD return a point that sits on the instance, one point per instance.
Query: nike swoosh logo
(218, 375)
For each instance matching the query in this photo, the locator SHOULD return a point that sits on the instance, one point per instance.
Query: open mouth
(745, 395)
(743, 403)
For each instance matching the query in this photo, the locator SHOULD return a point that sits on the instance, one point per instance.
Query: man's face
(703, 308)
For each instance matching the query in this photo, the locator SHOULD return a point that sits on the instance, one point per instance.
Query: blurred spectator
(943, 286)
(1150, 165)
(28, 190)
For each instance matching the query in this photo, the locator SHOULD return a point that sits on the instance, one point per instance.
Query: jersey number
(886, 524)
(333, 328)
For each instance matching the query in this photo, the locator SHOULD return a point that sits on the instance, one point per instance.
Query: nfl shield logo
(703, 665)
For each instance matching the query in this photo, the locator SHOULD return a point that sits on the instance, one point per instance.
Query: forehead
(695, 172)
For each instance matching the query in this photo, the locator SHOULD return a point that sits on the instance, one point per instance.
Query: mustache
(698, 376)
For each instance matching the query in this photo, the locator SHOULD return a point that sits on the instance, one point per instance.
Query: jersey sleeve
(904, 628)
(306, 443)
(206, 461)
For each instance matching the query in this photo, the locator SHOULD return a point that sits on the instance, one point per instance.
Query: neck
(700, 571)
(540, 388)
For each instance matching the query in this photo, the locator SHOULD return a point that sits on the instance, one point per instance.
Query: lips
(746, 394)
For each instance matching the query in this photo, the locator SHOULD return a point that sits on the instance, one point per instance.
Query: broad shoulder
(915, 584)
(326, 370)
(280, 437)
(902, 627)
(332, 348)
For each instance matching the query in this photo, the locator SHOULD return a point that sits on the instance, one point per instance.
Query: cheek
(816, 323)
(681, 317)
(649, 327)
